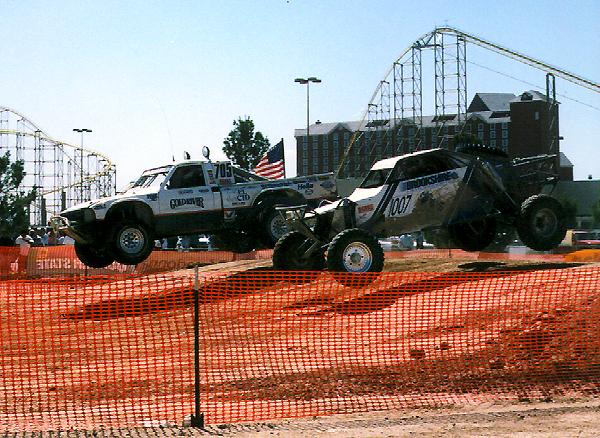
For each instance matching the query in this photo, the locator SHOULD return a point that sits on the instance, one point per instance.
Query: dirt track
(269, 320)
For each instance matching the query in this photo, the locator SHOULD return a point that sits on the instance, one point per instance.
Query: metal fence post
(197, 417)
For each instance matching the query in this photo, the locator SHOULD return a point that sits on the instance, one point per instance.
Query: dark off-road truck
(468, 194)
(190, 197)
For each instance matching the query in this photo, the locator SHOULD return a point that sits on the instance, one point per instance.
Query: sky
(155, 78)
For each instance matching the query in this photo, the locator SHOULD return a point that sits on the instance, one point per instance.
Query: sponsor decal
(365, 208)
(185, 192)
(242, 196)
(307, 187)
(152, 197)
(197, 201)
(429, 180)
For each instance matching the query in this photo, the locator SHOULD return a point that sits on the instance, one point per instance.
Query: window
(421, 165)
(493, 143)
(536, 115)
(305, 165)
(375, 178)
(468, 129)
(505, 144)
(346, 138)
(492, 131)
(153, 178)
(504, 133)
(187, 176)
(336, 156)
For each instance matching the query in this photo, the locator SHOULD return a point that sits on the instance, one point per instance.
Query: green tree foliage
(243, 146)
(13, 202)
(464, 139)
(596, 213)
(570, 211)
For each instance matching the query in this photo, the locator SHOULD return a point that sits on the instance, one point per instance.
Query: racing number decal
(399, 206)
(224, 170)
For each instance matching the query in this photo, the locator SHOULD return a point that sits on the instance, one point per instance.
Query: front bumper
(61, 224)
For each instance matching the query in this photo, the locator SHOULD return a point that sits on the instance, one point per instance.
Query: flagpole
(283, 146)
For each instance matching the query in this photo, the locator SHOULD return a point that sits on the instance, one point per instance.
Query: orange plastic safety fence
(91, 353)
(60, 261)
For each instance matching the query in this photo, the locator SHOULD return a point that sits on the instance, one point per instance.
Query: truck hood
(104, 203)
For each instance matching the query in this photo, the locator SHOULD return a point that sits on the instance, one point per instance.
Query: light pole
(307, 81)
(81, 131)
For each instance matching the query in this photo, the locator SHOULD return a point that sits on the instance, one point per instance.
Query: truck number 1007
(399, 206)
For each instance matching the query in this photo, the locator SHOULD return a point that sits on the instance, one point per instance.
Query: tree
(596, 213)
(570, 211)
(13, 202)
(243, 146)
(464, 139)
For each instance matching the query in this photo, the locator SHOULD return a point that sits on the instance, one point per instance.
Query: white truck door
(188, 204)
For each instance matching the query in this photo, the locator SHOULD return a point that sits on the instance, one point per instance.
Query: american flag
(272, 164)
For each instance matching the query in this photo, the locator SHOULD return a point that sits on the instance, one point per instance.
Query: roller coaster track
(430, 40)
(88, 173)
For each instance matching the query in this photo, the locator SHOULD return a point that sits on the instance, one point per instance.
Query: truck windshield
(375, 178)
(151, 178)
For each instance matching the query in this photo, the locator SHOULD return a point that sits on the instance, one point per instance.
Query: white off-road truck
(467, 194)
(189, 197)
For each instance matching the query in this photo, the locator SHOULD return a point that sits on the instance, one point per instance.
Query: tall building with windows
(522, 126)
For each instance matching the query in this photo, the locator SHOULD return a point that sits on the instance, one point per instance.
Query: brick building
(522, 126)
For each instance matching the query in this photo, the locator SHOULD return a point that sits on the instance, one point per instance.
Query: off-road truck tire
(473, 236)
(131, 242)
(356, 256)
(541, 223)
(92, 256)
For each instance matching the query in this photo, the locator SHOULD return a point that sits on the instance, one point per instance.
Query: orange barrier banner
(100, 352)
(57, 261)
(52, 261)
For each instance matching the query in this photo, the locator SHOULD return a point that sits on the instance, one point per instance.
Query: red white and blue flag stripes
(272, 164)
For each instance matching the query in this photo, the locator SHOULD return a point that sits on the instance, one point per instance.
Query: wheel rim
(544, 222)
(131, 240)
(357, 257)
(278, 227)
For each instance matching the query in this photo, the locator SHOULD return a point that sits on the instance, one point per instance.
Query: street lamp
(81, 131)
(307, 81)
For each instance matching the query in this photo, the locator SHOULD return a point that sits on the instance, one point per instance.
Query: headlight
(81, 216)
